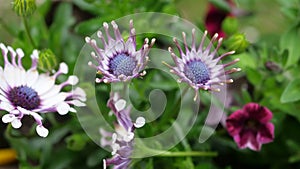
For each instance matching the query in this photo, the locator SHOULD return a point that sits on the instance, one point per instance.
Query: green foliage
(270, 76)
(291, 92)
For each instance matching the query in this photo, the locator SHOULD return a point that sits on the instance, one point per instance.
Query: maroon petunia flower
(251, 127)
(216, 15)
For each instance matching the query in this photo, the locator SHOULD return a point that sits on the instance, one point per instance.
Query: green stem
(163, 153)
(175, 108)
(28, 32)
(7, 28)
(7, 133)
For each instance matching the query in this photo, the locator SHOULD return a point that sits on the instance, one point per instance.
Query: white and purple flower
(119, 60)
(26, 92)
(122, 140)
(197, 66)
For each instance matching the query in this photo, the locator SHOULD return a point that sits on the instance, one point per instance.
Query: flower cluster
(26, 92)
(197, 66)
(251, 126)
(119, 60)
(122, 140)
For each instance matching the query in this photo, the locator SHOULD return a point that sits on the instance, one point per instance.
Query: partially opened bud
(237, 42)
(47, 60)
(24, 7)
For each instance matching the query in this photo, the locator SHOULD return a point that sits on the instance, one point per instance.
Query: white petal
(139, 122)
(72, 110)
(42, 131)
(120, 104)
(31, 77)
(104, 164)
(3, 97)
(6, 106)
(119, 47)
(53, 91)
(10, 73)
(73, 80)
(130, 46)
(7, 118)
(38, 118)
(129, 136)
(63, 67)
(43, 84)
(77, 103)
(60, 97)
(63, 108)
(21, 77)
(16, 123)
(24, 111)
(81, 93)
(3, 84)
(115, 147)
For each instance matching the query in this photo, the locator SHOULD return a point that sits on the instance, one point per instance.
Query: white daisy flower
(27, 92)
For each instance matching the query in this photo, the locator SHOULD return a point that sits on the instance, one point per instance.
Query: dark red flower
(216, 15)
(251, 127)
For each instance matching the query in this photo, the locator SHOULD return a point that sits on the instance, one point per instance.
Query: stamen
(200, 48)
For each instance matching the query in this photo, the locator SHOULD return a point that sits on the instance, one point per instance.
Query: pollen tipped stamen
(193, 39)
(233, 70)
(165, 63)
(100, 36)
(152, 42)
(231, 63)
(116, 30)
(106, 28)
(225, 54)
(218, 46)
(200, 48)
(185, 42)
(208, 48)
(178, 46)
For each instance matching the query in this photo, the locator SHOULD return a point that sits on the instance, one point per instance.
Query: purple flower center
(122, 64)
(197, 72)
(24, 97)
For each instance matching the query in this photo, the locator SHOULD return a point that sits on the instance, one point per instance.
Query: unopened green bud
(230, 25)
(24, 7)
(237, 42)
(47, 60)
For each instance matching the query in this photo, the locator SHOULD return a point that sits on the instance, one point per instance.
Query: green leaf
(253, 76)
(88, 27)
(76, 142)
(291, 92)
(246, 60)
(290, 41)
(222, 4)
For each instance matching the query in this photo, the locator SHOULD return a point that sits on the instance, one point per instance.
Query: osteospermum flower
(121, 141)
(198, 67)
(119, 60)
(251, 127)
(26, 92)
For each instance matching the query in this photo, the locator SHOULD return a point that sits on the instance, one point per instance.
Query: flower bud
(237, 42)
(230, 25)
(24, 7)
(47, 60)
